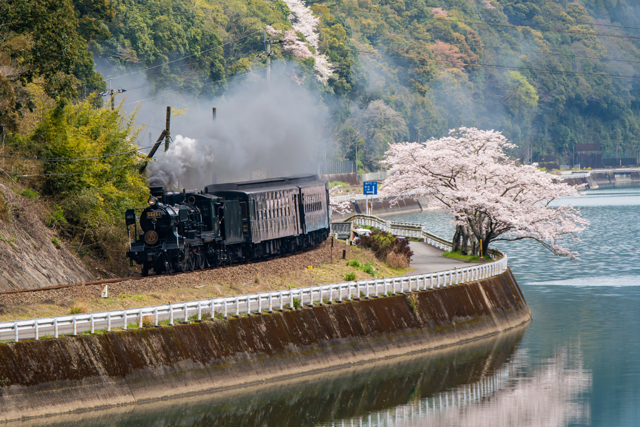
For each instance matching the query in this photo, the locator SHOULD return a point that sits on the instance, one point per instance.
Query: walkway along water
(300, 332)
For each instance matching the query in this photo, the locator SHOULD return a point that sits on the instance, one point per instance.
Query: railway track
(124, 279)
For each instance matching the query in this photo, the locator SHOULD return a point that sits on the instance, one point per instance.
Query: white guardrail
(402, 229)
(268, 301)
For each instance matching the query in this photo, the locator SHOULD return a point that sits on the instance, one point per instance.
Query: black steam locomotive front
(160, 244)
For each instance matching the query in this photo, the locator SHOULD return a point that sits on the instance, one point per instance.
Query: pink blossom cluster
(303, 20)
(470, 175)
(338, 207)
(291, 43)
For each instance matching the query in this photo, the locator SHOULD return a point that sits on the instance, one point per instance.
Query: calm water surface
(577, 364)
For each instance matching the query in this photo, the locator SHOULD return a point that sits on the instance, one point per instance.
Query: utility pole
(166, 135)
(267, 45)
(112, 93)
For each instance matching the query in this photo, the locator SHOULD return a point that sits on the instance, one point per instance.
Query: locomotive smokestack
(214, 113)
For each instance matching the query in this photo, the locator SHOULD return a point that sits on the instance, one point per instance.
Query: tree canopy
(489, 195)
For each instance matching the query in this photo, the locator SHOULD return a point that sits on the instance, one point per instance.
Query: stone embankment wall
(39, 378)
(606, 179)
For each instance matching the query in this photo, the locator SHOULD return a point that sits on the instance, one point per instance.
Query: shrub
(148, 321)
(56, 217)
(4, 208)
(297, 303)
(79, 308)
(395, 260)
(350, 277)
(354, 263)
(383, 243)
(368, 268)
(56, 242)
(30, 194)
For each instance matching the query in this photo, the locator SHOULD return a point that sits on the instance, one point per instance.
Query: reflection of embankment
(321, 398)
(548, 395)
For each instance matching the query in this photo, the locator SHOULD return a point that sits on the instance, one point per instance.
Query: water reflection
(548, 395)
(441, 380)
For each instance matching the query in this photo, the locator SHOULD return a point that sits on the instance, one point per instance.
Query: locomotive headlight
(152, 201)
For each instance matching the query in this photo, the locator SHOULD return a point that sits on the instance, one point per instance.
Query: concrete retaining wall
(39, 378)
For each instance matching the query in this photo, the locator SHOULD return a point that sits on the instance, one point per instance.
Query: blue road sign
(370, 188)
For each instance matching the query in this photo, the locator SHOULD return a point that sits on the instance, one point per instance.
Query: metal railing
(254, 303)
(373, 176)
(402, 229)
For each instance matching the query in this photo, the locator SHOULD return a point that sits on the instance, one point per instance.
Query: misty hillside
(549, 73)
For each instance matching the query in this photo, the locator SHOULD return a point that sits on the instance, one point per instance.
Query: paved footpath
(428, 259)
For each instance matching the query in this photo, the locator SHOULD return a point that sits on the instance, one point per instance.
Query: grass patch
(367, 267)
(30, 194)
(350, 277)
(9, 240)
(297, 303)
(56, 242)
(468, 258)
(79, 308)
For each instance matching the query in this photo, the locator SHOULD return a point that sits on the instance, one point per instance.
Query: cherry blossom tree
(340, 207)
(490, 196)
(291, 43)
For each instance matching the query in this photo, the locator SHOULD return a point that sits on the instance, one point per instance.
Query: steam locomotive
(228, 223)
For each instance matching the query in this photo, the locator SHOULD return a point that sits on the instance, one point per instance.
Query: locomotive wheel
(201, 260)
(179, 266)
(145, 271)
(191, 262)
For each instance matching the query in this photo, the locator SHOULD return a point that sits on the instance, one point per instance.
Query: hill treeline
(549, 73)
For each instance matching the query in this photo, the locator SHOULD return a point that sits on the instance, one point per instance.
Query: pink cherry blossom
(469, 174)
(342, 207)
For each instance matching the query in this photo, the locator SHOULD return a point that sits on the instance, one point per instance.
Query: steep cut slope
(31, 256)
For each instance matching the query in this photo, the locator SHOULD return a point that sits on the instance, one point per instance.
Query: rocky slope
(31, 255)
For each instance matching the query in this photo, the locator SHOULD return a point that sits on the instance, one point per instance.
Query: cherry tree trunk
(464, 249)
(455, 243)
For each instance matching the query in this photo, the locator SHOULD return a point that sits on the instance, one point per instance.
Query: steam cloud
(258, 133)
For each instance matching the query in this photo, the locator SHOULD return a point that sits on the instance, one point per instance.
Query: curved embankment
(38, 378)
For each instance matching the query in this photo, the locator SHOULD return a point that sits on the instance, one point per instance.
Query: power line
(184, 89)
(560, 30)
(543, 70)
(592, 23)
(77, 173)
(566, 55)
(185, 57)
(73, 159)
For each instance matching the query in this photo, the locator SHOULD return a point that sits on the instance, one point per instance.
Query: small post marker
(105, 291)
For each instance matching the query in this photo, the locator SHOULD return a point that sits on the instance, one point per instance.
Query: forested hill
(549, 73)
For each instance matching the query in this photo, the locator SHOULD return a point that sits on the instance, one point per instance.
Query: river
(577, 364)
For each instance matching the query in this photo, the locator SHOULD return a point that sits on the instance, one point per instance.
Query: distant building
(589, 156)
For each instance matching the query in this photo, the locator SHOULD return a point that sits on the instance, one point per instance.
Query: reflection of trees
(547, 395)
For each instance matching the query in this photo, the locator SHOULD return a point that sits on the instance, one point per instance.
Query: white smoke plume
(185, 165)
(258, 133)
